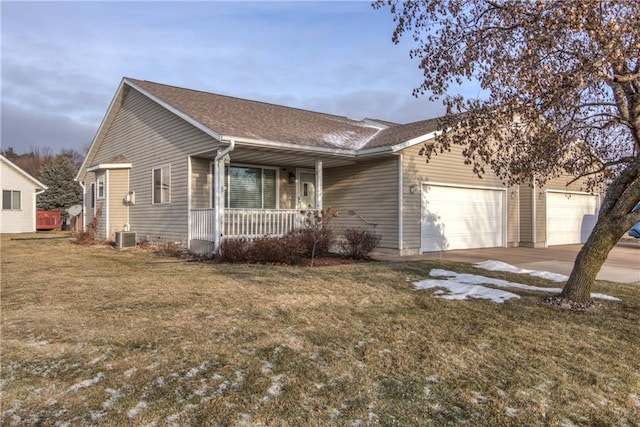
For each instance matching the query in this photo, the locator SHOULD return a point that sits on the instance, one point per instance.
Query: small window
(10, 200)
(93, 195)
(162, 185)
(101, 190)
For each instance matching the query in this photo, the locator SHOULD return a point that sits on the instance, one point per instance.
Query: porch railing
(252, 223)
(249, 223)
(203, 224)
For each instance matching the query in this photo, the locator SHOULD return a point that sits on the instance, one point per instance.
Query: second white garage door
(570, 217)
(462, 218)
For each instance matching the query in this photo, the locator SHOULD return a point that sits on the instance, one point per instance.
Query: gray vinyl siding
(367, 191)
(89, 212)
(118, 186)
(150, 136)
(447, 168)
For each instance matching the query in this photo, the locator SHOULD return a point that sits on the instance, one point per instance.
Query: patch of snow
(133, 412)
(511, 412)
(114, 395)
(276, 386)
(266, 368)
(347, 139)
(129, 372)
(461, 291)
(492, 265)
(86, 383)
(195, 371)
(463, 285)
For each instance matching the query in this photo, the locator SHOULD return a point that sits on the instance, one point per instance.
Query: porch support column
(217, 214)
(218, 171)
(319, 185)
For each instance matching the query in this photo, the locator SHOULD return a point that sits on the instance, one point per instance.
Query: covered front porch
(244, 191)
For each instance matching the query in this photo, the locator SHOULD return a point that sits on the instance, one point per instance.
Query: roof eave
(105, 166)
(288, 146)
(23, 173)
(415, 141)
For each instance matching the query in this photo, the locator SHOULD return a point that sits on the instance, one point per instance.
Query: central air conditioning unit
(125, 239)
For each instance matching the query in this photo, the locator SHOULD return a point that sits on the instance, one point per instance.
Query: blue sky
(63, 61)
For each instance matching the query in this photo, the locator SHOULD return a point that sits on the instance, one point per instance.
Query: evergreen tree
(63, 191)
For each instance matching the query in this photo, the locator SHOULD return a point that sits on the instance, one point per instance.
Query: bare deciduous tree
(567, 71)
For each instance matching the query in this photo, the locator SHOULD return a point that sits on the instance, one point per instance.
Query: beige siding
(149, 136)
(526, 215)
(513, 216)
(117, 189)
(201, 184)
(446, 168)
(287, 189)
(365, 192)
(101, 210)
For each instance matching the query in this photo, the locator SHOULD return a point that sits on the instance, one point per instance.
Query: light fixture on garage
(514, 194)
(541, 195)
(413, 188)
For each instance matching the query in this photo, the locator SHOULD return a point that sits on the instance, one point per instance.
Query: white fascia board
(175, 111)
(23, 173)
(104, 166)
(99, 132)
(415, 141)
(373, 151)
(288, 146)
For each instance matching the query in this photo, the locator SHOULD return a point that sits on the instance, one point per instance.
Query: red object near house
(47, 220)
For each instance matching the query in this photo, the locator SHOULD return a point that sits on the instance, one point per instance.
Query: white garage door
(570, 217)
(461, 218)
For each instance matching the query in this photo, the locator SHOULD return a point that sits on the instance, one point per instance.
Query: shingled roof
(261, 121)
(241, 118)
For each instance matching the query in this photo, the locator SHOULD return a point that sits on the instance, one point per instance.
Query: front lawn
(91, 335)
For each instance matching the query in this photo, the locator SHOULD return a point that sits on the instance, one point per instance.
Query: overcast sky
(62, 61)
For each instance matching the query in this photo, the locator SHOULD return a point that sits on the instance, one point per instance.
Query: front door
(306, 189)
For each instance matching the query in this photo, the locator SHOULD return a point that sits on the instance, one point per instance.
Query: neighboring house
(175, 164)
(19, 190)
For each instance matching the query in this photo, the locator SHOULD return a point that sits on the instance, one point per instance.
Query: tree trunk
(590, 260)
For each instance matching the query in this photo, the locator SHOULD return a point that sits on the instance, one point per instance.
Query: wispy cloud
(62, 61)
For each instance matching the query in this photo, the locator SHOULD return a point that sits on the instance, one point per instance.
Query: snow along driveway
(463, 286)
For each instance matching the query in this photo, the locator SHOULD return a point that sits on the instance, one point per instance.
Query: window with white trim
(93, 195)
(161, 184)
(11, 200)
(100, 187)
(251, 187)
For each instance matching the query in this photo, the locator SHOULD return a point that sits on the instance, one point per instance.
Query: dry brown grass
(97, 336)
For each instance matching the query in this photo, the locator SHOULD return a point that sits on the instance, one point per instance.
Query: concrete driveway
(622, 265)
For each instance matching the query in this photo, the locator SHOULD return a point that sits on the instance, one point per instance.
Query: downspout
(319, 187)
(218, 203)
(400, 205)
(84, 190)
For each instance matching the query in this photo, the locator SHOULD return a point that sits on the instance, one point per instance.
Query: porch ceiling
(256, 155)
